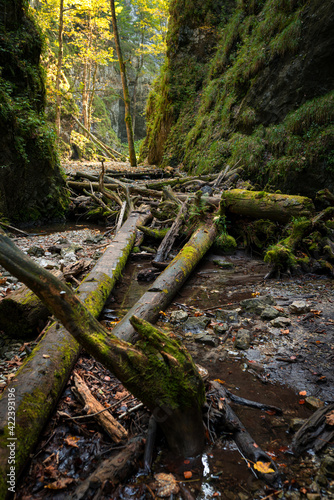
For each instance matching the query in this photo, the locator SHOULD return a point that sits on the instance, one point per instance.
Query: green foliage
(199, 114)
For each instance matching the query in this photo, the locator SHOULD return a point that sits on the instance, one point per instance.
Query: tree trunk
(168, 283)
(59, 66)
(262, 205)
(40, 381)
(158, 371)
(128, 122)
(29, 312)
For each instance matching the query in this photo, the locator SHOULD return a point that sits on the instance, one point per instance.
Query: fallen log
(158, 370)
(168, 283)
(22, 313)
(40, 381)
(257, 460)
(262, 205)
(92, 406)
(114, 470)
(316, 432)
(169, 239)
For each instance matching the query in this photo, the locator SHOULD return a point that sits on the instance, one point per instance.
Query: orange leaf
(270, 412)
(302, 401)
(72, 441)
(302, 393)
(186, 461)
(263, 467)
(187, 474)
(255, 445)
(285, 332)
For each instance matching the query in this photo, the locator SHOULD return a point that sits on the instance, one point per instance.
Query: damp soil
(277, 365)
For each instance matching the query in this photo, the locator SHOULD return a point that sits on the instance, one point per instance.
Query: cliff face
(31, 185)
(248, 83)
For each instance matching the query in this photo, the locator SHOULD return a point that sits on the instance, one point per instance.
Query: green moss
(30, 172)
(225, 243)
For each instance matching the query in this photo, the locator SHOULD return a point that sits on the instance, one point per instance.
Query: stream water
(273, 369)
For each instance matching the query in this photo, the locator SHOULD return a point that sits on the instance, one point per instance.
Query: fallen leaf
(285, 332)
(255, 445)
(270, 412)
(72, 441)
(330, 418)
(187, 474)
(166, 484)
(302, 393)
(186, 461)
(46, 356)
(263, 467)
(302, 401)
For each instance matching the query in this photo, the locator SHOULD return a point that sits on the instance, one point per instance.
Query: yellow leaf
(263, 467)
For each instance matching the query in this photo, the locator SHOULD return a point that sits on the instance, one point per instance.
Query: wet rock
(36, 251)
(242, 339)
(257, 304)
(48, 264)
(296, 424)
(313, 403)
(230, 316)
(269, 313)
(196, 324)
(178, 316)
(299, 307)
(147, 275)
(207, 190)
(205, 338)
(280, 322)
(220, 329)
(223, 264)
(327, 467)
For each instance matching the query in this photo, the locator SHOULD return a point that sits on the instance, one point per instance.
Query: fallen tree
(158, 371)
(41, 379)
(262, 205)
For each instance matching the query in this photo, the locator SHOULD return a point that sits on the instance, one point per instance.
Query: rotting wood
(22, 313)
(115, 470)
(168, 241)
(168, 283)
(316, 432)
(113, 428)
(39, 382)
(249, 450)
(259, 204)
(158, 370)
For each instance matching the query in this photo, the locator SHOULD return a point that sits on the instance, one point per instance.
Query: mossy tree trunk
(128, 121)
(157, 370)
(40, 380)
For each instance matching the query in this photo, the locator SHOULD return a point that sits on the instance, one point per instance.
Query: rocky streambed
(271, 341)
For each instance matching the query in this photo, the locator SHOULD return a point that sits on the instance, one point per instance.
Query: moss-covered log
(28, 310)
(262, 205)
(168, 283)
(282, 256)
(158, 371)
(39, 382)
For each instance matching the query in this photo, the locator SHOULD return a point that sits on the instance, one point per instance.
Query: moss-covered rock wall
(31, 184)
(248, 82)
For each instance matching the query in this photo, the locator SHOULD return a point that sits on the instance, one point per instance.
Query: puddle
(221, 471)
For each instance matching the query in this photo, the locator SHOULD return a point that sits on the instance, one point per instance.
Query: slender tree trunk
(92, 94)
(128, 121)
(59, 66)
